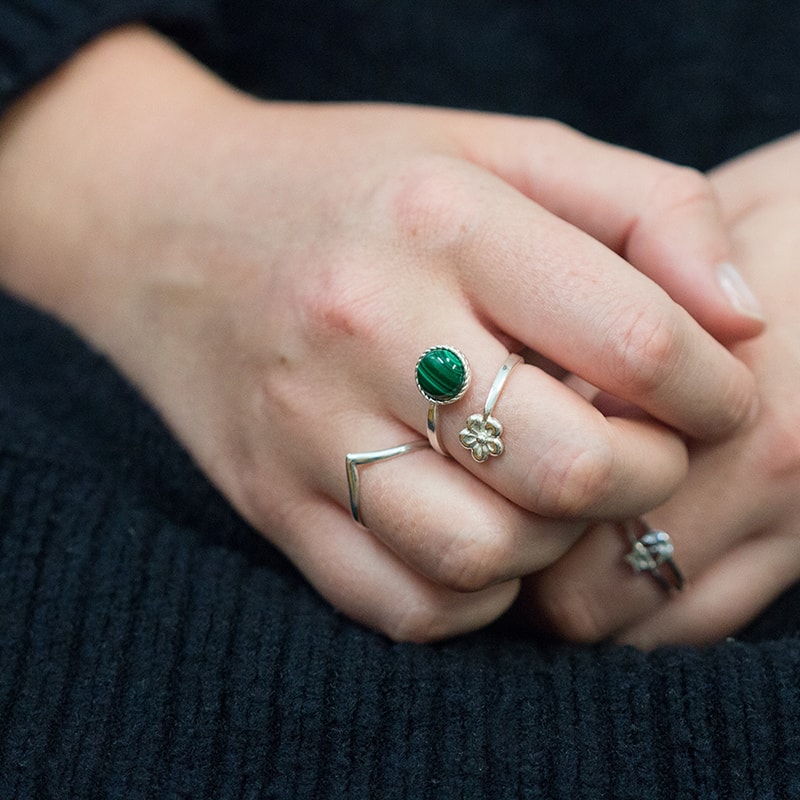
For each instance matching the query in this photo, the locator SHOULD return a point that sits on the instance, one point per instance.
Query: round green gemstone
(442, 374)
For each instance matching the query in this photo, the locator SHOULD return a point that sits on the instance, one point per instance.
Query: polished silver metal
(432, 429)
(355, 460)
(652, 551)
(483, 433)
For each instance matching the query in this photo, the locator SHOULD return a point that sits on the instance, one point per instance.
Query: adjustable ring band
(483, 432)
(443, 376)
(432, 430)
(652, 552)
(355, 460)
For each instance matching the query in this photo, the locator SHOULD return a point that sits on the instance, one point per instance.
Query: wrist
(92, 162)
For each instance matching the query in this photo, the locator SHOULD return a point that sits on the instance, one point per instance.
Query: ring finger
(559, 455)
(442, 521)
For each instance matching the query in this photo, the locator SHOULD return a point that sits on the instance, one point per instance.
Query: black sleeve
(36, 36)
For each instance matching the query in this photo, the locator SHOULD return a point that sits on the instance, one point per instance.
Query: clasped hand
(267, 274)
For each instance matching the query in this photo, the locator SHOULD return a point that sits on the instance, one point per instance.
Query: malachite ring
(442, 375)
(652, 551)
(482, 434)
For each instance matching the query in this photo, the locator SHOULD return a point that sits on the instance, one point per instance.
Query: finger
(563, 294)
(724, 598)
(439, 519)
(363, 579)
(561, 457)
(592, 593)
(663, 218)
(452, 528)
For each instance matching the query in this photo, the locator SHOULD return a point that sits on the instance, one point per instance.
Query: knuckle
(680, 187)
(337, 309)
(473, 560)
(427, 202)
(572, 613)
(574, 482)
(646, 347)
(777, 454)
(737, 401)
(421, 621)
(552, 131)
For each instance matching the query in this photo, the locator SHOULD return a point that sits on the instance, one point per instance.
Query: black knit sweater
(152, 646)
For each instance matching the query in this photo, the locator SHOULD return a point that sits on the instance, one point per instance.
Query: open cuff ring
(483, 432)
(652, 552)
(443, 376)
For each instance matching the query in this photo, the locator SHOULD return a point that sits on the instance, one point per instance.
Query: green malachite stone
(442, 374)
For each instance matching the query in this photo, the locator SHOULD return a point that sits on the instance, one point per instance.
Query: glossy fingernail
(739, 294)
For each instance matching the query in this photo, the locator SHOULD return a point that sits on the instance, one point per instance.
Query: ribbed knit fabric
(153, 646)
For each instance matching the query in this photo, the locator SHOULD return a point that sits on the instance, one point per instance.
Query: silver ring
(652, 552)
(355, 460)
(482, 434)
(443, 376)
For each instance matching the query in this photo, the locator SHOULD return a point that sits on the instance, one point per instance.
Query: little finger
(365, 580)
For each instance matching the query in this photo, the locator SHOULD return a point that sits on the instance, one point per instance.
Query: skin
(734, 522)
(267, 275)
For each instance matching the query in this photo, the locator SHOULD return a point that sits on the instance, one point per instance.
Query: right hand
(267, 274)
(734, 521)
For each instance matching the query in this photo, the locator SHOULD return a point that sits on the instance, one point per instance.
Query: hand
(734, 522)
(267, 274)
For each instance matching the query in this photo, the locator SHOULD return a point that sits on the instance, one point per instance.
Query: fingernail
(739, 294)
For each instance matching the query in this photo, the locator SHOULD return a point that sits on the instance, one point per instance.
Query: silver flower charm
(482, 436)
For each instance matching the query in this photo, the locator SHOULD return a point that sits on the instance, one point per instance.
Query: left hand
(735, 522)
(254, 268)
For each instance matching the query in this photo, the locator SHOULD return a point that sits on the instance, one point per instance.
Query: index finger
(567, 296)
(664, 219)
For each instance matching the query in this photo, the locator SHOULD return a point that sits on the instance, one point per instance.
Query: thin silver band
(432, 429)
(482, 434)
(355, 460)
(500, 381)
